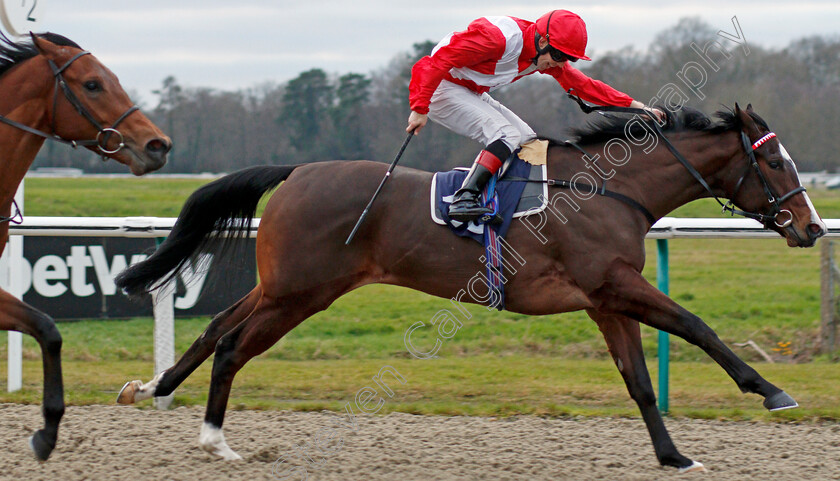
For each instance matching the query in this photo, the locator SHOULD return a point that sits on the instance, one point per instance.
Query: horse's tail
(213, 216)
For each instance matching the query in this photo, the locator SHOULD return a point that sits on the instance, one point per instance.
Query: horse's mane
(13, 53)
(681, 120)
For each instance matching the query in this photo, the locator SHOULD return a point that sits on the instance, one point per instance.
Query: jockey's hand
(658, 115)
(416, 122)
(654, 113)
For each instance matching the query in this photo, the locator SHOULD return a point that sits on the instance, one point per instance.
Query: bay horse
(52, 89)
(591, 258)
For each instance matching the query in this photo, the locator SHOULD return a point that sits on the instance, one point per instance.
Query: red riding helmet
(565, 31)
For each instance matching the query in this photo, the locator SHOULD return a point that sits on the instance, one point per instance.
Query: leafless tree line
(321, 116)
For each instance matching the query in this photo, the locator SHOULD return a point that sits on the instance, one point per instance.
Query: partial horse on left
(52, 89)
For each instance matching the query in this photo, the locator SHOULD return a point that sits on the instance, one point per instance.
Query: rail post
(163, 301)
(828, 304)
(15, 287)
(663, 347)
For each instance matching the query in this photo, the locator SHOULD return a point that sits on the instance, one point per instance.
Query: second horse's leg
(18, 316)
(167, 381)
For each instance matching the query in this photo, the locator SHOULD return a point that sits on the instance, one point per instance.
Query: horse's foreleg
(630, 294)
(167, 381)
(624, 342)
(17, 316)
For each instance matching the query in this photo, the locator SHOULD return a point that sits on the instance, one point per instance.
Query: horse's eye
(93, 86)
(775, 165)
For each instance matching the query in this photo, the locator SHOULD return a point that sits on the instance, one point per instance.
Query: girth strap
(565, 184)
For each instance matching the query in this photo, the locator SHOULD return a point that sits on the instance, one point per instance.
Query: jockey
(451, 87)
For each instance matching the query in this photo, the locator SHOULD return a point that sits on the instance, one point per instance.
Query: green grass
(499, 363)
(110, 197)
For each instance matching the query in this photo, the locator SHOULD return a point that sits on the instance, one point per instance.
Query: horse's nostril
(158, 146)
(816, 230)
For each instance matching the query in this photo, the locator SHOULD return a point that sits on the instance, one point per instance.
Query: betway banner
(73, 278)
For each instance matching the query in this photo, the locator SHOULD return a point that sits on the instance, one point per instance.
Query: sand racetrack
(116, 442)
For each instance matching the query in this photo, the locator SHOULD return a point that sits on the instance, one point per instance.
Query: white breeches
(479, 117)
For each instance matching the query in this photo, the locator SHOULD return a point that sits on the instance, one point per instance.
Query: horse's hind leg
(624, 341)
(167, 381)
(269, 322)
(627, 292)
(17, 316)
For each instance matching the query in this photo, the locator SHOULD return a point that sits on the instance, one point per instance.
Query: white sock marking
(147, 391)
(212, 440)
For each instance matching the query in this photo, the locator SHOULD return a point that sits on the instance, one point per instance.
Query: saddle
(508, 192)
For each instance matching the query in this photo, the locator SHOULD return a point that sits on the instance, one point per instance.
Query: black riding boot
(467, 205)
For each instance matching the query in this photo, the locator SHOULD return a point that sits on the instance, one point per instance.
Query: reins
(16, 218)
(728, 206)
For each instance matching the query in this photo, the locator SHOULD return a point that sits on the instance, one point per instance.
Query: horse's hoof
(223, 452)
(695, 467)
(128, 391)
(779, 401)
(40, 446)
(212, 440)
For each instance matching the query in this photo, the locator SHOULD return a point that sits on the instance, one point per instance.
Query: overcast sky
(242, 43)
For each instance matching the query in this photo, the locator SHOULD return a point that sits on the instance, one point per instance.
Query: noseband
(104, 134)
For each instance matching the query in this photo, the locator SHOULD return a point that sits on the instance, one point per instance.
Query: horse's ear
(36, 42)
(44, 46)
(743, 116)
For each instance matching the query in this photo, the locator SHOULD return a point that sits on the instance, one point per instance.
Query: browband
(760, 141)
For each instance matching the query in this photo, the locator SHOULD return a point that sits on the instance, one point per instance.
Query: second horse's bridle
(102, 137)
(104, 134)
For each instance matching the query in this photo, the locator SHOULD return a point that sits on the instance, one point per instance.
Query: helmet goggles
(559, 56)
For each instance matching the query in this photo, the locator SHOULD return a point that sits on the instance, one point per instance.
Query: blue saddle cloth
(506, 197)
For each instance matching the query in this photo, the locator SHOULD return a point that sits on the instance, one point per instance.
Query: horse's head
(90, 104)
(770, 185)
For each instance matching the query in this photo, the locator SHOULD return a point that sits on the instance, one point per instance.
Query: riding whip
(378, 189)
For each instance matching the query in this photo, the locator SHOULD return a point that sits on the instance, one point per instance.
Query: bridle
(104, 134)
(774, 200)
(102, 137)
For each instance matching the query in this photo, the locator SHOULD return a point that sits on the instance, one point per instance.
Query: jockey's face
(547, 60)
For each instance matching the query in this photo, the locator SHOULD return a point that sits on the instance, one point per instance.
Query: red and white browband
(760, 141)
